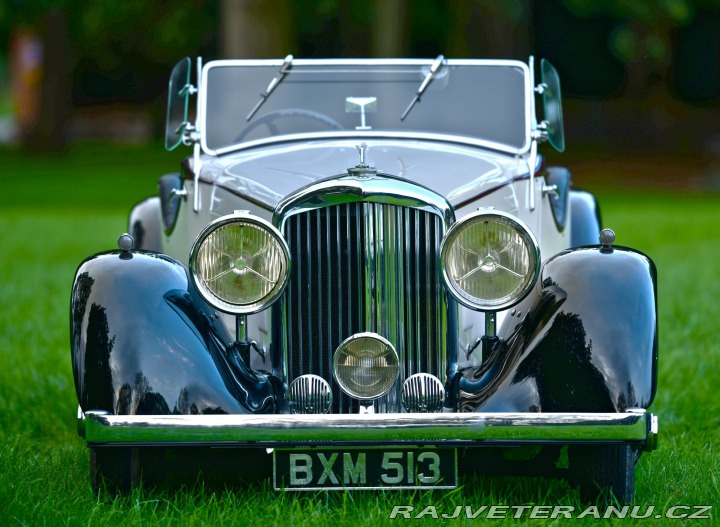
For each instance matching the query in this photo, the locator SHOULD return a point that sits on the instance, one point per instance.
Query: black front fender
(587, 340)
(144, 342)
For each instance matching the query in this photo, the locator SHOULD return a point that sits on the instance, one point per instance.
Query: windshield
(480, 101)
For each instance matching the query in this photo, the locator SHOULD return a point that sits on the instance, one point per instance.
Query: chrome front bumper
(472, 429)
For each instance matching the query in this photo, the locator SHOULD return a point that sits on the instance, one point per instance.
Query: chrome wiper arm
(425, 83)
(287, 63)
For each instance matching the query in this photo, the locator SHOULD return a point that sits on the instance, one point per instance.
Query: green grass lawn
(56, 211)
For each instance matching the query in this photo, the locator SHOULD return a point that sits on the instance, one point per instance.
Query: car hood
(456, 172)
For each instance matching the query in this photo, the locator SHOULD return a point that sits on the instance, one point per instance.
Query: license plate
(369, 468)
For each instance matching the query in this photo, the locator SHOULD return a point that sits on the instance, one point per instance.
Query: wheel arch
(584, 340)
(144, 342)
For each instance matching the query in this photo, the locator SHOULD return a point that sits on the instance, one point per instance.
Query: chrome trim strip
(632, 425)
(529, 94)
(80, 422)
(652, 440)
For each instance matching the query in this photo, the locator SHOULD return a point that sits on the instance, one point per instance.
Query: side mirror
(179, 91)
(552, 105)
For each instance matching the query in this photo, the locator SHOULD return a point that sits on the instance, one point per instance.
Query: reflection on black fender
(145, 343)
(587, 343)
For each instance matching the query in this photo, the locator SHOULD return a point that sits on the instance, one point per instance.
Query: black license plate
(367, 468)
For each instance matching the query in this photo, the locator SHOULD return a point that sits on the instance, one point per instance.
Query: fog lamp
(422, 393)
(310, 394)
(366, 366)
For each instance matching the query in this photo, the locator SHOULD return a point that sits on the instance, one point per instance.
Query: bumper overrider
(635, 426)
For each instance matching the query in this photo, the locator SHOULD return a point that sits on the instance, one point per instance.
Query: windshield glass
(482, 101)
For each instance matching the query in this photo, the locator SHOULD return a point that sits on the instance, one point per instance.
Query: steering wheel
(268, 119)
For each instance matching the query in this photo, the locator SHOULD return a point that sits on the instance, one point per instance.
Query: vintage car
(365, 276)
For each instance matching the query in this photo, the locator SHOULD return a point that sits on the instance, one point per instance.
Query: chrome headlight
(366, 366)
(490, 260)
(240, 263)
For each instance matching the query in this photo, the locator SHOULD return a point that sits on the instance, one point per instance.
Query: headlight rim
(365, 334)
(214, 300)
(523, 230)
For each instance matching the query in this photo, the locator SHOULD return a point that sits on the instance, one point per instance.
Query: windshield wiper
(287, 63)
(425, 83)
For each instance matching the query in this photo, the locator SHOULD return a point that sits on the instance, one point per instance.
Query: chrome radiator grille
(364, 267)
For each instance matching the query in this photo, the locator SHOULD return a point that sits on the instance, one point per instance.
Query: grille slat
(400, 266)
(417, 299)
(309, 300)
(318, 291)
(438, 294)
(364, 267)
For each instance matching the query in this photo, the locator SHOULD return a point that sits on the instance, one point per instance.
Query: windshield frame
(374, 134)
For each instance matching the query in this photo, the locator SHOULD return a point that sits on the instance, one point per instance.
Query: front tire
(114, 469)
(606, 471)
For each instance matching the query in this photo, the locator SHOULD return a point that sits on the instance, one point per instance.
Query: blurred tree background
(641, 75)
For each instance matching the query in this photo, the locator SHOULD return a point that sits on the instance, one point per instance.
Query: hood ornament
(362, 169)
(362, 149)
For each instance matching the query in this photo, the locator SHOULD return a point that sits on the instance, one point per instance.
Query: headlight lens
(366, 366)
(240, 263)
(490, 260)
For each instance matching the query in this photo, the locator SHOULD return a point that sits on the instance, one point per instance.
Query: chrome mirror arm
(532, 160)
(188, 89)
(197, 149)
(197, 164)
(191, 136)
(541, 131)
(538, 135)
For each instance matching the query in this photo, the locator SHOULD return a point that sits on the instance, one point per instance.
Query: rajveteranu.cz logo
(550, 512)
